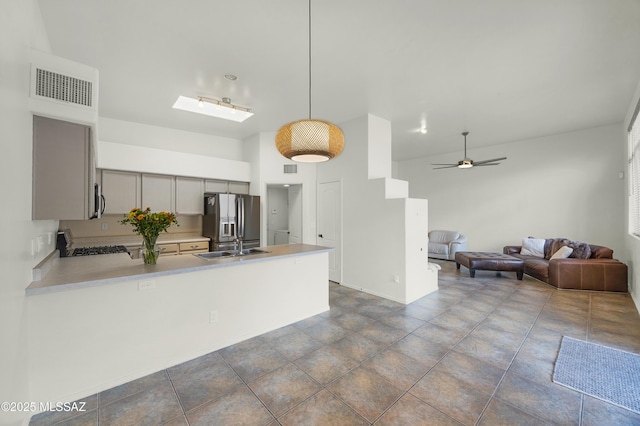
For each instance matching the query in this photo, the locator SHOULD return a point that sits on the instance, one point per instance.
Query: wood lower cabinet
(174, 249)
(169, 249)
(194, 247)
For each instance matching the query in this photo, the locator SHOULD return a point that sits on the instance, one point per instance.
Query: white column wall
(21, 29)
(382, 239)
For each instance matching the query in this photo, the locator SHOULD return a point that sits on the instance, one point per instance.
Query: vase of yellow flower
(149, 225)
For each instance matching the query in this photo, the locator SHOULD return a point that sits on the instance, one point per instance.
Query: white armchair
(445, 244)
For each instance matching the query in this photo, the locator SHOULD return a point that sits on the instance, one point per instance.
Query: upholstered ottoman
(486, 261)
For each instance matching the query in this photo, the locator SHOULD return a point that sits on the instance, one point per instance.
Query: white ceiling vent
(64, 88)
(291, 168)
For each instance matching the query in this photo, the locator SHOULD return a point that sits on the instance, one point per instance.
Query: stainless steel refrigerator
(229, 216)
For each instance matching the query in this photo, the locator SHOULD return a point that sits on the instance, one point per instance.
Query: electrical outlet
(213, 317)
(146, 285)
(105, 226)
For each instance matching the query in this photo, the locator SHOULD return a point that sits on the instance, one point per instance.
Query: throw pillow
(580, 250)
(532, 247)
(562, 253)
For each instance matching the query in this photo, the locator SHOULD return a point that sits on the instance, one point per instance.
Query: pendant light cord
(309, 59)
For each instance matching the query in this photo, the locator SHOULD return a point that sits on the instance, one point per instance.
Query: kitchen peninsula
(100, 321)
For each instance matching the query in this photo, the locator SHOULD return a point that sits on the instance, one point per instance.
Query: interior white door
(330, 225)
(295, 214)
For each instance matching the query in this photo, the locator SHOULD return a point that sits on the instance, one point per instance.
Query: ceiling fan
(467, 163)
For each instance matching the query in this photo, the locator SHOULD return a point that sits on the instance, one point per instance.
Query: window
(634, 174)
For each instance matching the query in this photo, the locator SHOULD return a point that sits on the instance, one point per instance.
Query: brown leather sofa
(600, 272)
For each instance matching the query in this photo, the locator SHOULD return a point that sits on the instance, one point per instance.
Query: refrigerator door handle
(240, 210)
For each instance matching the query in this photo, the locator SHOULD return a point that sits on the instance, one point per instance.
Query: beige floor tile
(409, 410)
(550, 402)
(284, 388)
(240, 408)
(322, 409)
(366, 392)
(451, 396)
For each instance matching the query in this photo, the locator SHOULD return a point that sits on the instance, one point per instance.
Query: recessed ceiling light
(230, 77)
(286, 185)
(213, 108)
(423, 130)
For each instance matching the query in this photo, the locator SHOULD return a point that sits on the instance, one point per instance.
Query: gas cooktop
(88, 251)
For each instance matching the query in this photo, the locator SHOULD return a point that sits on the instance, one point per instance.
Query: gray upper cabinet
(121, 191)
(158, 192)
(180, 194)
(189, 195)
(212, 185)
(239, 187)
(63, 170)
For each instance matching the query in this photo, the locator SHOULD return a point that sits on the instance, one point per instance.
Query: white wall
(378, 234)
(267, 168)
(87, 340)
(120, 156)
(168, 139)
(21, 29)
(565, 185)
(632, 244)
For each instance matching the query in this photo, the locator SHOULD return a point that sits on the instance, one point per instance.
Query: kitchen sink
(255, 251)
(214, 255)
(221, 254)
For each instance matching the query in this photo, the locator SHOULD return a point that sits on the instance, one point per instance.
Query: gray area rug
(608, 374)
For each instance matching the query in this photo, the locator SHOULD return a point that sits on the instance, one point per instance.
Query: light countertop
(77, 272)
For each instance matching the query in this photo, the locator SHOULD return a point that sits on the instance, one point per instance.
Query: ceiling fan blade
(486, 164)
(445, 167)
(493, 160)
(444, 164)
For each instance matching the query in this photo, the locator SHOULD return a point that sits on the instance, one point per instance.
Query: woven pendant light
(310, 141)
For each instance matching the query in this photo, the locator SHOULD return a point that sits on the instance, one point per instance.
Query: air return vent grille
(291, 168)
(63, 88)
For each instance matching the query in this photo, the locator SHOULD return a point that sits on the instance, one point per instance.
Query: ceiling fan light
(310, 141)
(465, 164)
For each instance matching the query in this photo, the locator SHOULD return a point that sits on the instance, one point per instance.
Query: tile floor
(478, 351)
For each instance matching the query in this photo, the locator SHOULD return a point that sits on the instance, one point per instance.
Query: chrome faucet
(238, 243)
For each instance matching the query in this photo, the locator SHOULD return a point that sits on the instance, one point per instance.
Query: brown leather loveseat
(599, 272)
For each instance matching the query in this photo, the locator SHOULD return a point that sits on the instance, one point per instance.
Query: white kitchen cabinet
(189, 195)
(121, 191)
(158, 192)
(63, 170)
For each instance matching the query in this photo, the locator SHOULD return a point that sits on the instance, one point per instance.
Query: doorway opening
(284, 214)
